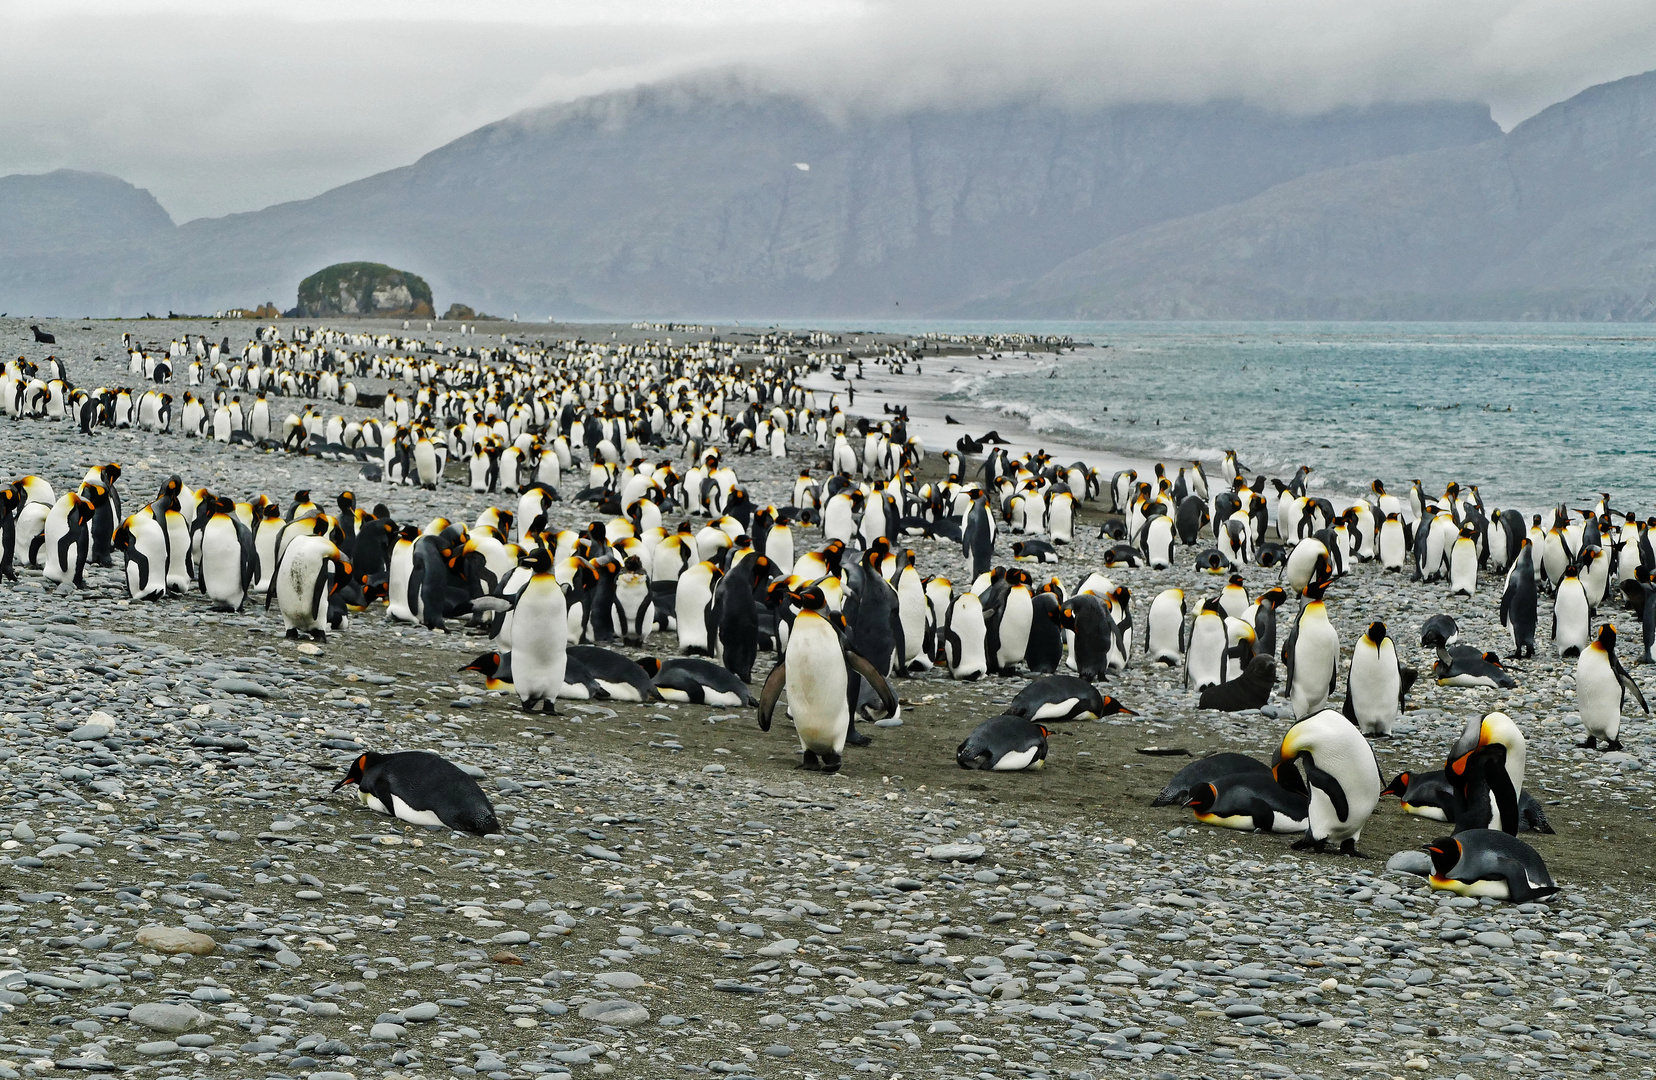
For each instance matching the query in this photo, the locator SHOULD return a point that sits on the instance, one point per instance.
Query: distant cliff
(364, 289)
(1555, 220)
(712, 198)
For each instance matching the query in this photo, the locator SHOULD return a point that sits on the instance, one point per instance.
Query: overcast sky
(219, 106)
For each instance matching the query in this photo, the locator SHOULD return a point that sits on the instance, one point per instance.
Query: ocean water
(1534, 414)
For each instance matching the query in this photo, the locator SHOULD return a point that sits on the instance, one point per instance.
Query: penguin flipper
(770, 694)
(858, 663)
(1519, 888)
(1349, 709)
(1329, 786)
(1628, 685)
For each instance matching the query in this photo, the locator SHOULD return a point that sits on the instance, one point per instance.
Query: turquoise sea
(1534, 414)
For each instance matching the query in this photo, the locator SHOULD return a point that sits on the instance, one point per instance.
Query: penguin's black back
(427, 781)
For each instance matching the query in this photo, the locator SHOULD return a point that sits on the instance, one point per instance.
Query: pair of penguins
(1480, 790)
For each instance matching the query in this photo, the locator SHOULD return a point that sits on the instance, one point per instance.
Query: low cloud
(221, 107)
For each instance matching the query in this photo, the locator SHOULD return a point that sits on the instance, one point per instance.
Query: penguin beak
(341, 784)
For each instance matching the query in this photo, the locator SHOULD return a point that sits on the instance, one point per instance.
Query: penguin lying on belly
(1209, 770)
(1486, 862)
(422, 788)
(1429, 795)
(1005, 743)
(1461, 665)
(1249, 802)
(1064, 697)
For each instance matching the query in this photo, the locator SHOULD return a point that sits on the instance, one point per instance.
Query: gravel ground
(671, 898)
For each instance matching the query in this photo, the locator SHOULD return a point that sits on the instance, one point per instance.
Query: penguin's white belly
(1463, 569)
(619, 691)
(1325, 822)
(1496, 888)
(1018, 760)
(1052, 710)
(816, 685)
(221, 575)
(407, 813)
(1598, 698)
(723, 699)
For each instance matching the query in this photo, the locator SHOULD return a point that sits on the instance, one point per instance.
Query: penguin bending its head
(1343, 774)
(422, 788)
(1485, 770)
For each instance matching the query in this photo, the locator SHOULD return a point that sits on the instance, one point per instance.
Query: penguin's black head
(354, 775)
(1445, 853)
(651, 665)
(485, 665)
(811, 599)
(1398, 786)
(1377, 633)
(1236, 579)
(1607, 637)
(1201, 798)
(1018, 576)
(538, 560)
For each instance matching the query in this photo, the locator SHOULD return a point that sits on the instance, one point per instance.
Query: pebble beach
(181, 896)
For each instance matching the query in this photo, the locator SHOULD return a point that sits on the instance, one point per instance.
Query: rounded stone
(615, 1012)
(174, 939)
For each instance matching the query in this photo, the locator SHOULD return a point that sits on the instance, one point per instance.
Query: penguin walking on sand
(540, 636)
(304, 585)
(815, 673)
(1484, 862)
(1602, 688)
(1311, 655)
(1344, 778)
(1518, 602)
(1004, 743)
(1374, 683)
(422, 788)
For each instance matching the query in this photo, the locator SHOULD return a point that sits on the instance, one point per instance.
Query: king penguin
(1518, 602)
(1602, 687)
(422, 788)
(1311, 654)
(815, 673)
(1374, 683)
(540, 636)
(1344, 778)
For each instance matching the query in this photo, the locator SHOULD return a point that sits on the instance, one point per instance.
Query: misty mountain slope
(1556, 219)
(61, 232)
(686, 198)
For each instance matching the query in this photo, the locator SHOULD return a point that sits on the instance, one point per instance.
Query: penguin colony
(631, 528)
